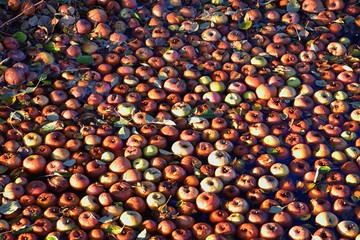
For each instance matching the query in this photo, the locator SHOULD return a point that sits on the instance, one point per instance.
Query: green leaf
(245, 25)
(163, 76)
(124, 133)
(137, 16)
(3, 169)
(52, 116)
(85, 59)
(355, 199)
(51, 47)
(9, 207)
(169, 122)
(113, 229)
(324, 169)
(100, 162)
(52, 126)
(276, 209)
(142, 235)
(2, 121)
(43, 77)
(164, 152)
(293, 6)
(23, 229)
(20, 37)
(195, 119)
(320, 83)
(208, 114)
(305, 217)
(105, 219)
(69, 163)
(122, 122)
(355, 104)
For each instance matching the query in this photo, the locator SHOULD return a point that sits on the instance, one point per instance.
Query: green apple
(289, 72)
(90, 203)
(181, 109)
(249, 96)
(346, 41)
(287, 92)
(205, 80)
(232, 99)
(32, 139)
(131, 218)
(258, 61)
(107, 156)
(155, 199)
(352, 179)
(150, 151)
(348, 135)
(236, 219)
(323, 97)
(341, 95)
(279, 170)
(140, 164)
(125, 109)
(352, 152)
(126, 13)
(348, 229)
(327, 219)
(217, 87)
(306, 89)
(152, 174)
(293, 82)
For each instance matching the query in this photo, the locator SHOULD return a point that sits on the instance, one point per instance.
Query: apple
(352, 179)
(90, 203)
(140, 164)
(341, 95)
(232, 99)
(155, 199)
(258, 61)
(352, 152)
(212, 185)
(88, 220)
(181, 109)
(182, 148)
(65, 224)
(131, 218)
(323, 97)
(126, 109)
(293, 82)
(107, 156)
(218, 158)
(348, 135)
(236, 218)
(150, 151)
(268, 183)
(326, 219)
(32, 139)
(279, 170)
(205, 80)
(217, 87)
(287, 92)
(249, 96)
(348, 229)
(152, 174)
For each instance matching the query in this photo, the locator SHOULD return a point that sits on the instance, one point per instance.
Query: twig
(20, 14)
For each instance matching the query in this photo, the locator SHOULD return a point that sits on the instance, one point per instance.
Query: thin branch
(20, 14)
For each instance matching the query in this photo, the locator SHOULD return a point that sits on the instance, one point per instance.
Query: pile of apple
(180, 119)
